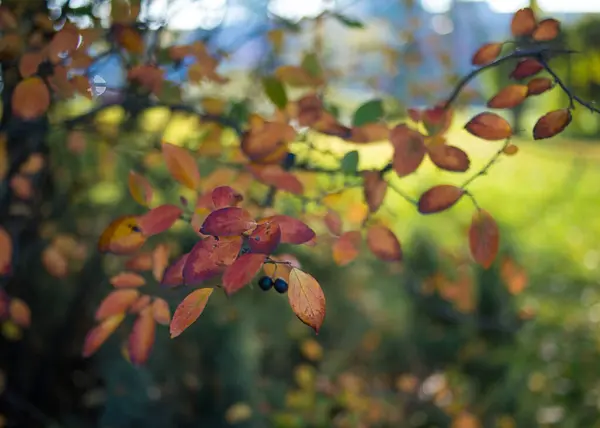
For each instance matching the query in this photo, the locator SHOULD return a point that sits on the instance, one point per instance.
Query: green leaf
(349, 22)
(310, 63)
(275, 91)
(239, 112)
(369, 112)
(349, 164)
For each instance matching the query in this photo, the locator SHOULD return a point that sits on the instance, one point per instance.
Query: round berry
(280, 285)
(265, 283)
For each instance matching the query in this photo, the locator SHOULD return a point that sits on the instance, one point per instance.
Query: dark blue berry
(280, 285)
(265, 283)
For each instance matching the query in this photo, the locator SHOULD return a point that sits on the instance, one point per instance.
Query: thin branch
(487, 166)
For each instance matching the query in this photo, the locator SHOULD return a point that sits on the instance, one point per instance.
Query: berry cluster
(265, 283)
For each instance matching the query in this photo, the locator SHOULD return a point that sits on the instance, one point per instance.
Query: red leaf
(345, 248)
(140, 262)
(487, 53)
(437, 119)
(242, 271)
(409, 150)
(6, 250)
(276, 176)
(227, 222)
(189, 310)
(484, 238)
(293, 231)
(509, 97)
(225, 196)
(116, 302)
(306, 299)
(139, 188)
(160, 261)
(140, 304)
(375, 189)
(224, 250)
(141, 338)
(98, 335)
(173, 275)
(552, 123)
(19, 312)
(547, 30)
(539, 85)
(439, 198)
(265, 238)
(383, 243)
(127, 279)
(199, 265)
(159, 219)
(489, 126)
(161, 311)
(182, 165)
(526, 68)
(449, 158)
(523, 22)
(333, 222)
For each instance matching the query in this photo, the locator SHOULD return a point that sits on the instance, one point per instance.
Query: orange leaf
(140, 304)
(159, 219)
(189, 310)
(539, 85)
(409, 149)
(375, 189)
(449, 158)
(242, 271)
(265, 238)
(140, 262)
(552, 123)
(333, 222)
(510, 150)
(228, 221)
(489, 126)
(345, 248)
(384, 244)
(160, 261)
(55, 262)
(127, 279)
(30, 99)
(224, 250)
(161, 311)
(547, 30)
(509, 97)
(523, 22)
(487, 53)
(141, 338)
(182, 165)
(19, 312)
(526, 68)
(484, 238)
(173, 275)
(306, 299)
(276, 176)
(293, 231)
(122, 236)
(116, 302)
(140, 188)
(131, 40)
(439, 198)
(98, 335)
(6, 250)
(63, 44)
(225, 196)
(29, 63)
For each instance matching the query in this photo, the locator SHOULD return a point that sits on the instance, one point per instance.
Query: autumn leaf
(159, 219)
(383, 243)
(333, 221)
(306, 299)
(98, 335)
(122, 236)
(225, 196)
(161, 311)
(510, 150)
(552, 123)
(439, 198)
(539, 85)
(374, 189)
(116, 302)
(199, 265)
(228, 221)
(141, 337)
(509, 97)
(140, 304)
(484, 238)
(189, 310)
(265, 238)
(242, 271)
(55, 262)
(437, 119)
(489, 126)
(293, 231)
(346, 247)
(19, 312)
(526, 68)
(449, 158)
(160, 261)
(140, 188)
(30, 98)
(6, 250)
(276, 176)
(409, 150)
(127, 279)
(523, 22)
(486, 54)
(181, 165)
(173, 275)
(547, 30)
